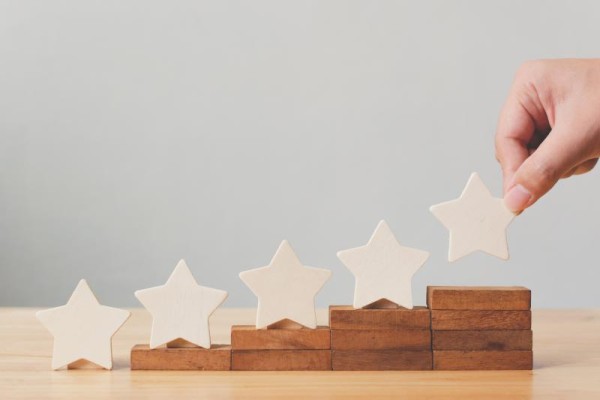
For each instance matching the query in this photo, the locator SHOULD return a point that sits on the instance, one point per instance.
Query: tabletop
(566, 345)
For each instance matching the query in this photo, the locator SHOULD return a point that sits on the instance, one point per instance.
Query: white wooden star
(383, 269)
(476, 221)
(180, 308)
(82, 329)
(286, 289)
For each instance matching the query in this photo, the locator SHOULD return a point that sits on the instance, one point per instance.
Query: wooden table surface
(566, 362)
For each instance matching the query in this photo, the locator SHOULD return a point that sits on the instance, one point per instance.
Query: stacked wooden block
(463, 328)
(481, 328)
(367, 339)
(280, 349)
(181, 356)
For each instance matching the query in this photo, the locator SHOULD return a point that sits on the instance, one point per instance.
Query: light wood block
(381, 360)
(383, 269)
(180, 309)
(451, 320)
(477, 221)
(82, 330)
(281, 360)
(347, 317)
(247, 337)
(285, 288)
(217, 358)
(381, 339)
(483, 340)
(478, 298)
(482, 360)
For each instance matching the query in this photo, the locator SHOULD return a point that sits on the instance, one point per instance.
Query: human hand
(549, 127)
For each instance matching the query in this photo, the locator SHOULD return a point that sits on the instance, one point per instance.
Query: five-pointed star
(285, 289)
(82, 329)
(383, 269)
(476, 221)
(180, 308)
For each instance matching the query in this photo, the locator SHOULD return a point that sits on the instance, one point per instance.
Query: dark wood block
(373, 339)
(452, 360)
(281, 360)
(381, 360)
(217, 358)
(451, 320)
(247, 337)
(347, 317)
(483, 340)
(478, 298)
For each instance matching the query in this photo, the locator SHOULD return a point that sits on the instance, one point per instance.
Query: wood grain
(381, 360)
(478, 298)
(218, 358)
(449, 320)
(405, 339)
(281, 360)
(483, 340)
(346, 317)
(567, 365)
(452, 360)
(247, 337)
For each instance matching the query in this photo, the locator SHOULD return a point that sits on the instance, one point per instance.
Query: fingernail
(517, 198)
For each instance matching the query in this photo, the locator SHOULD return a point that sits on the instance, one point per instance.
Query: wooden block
(482, 360)
(478, 298)
(217, 358)
(381, 360)
(247, 337)
(281, 360)
(82, 330)
(483, 340)
(452, 320)
(285, 288)
(477, 221)
(347, 317)
(381, 339)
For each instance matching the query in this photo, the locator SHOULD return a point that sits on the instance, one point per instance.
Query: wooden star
(476, 221)
(383, 269)
(82, 329)
(286, 289)
(180, 308)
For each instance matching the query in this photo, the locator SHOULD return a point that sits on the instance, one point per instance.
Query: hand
(549, 127)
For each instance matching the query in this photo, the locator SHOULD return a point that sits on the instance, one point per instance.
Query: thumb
(556, 156)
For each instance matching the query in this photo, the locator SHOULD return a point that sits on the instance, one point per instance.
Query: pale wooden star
(82, 329)
(383, 269)
(180, 308)
(476, 221)
(286, 289)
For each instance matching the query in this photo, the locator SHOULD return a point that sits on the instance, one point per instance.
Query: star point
(383, 268)
(82, 328)
(476, 221)
(285, 288)
(181, 308)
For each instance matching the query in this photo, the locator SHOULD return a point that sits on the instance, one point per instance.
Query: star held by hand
(82, 329)
(383, 269)
(180, 308)
(286, 289)
(476, 221)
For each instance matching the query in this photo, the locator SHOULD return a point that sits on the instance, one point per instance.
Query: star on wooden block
(476, 221)
(286, 289)
(180, 308)
(82, 329)
(383, 269)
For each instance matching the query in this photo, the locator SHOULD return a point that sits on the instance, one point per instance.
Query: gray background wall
(136, 133)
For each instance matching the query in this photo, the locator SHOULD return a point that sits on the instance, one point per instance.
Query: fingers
(515, 130)
(521, 121)
(582, 168)
(556, 157)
